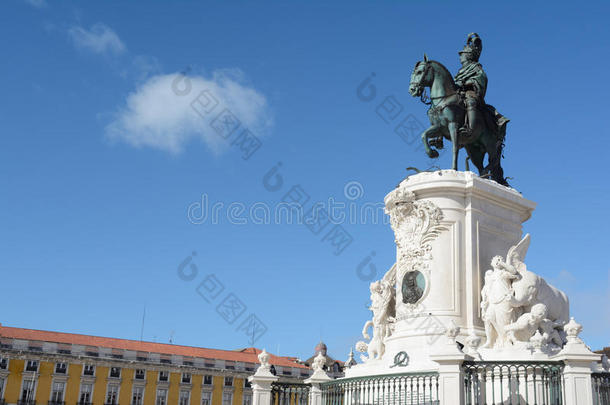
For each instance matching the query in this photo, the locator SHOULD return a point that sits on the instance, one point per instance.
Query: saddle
(492, 118)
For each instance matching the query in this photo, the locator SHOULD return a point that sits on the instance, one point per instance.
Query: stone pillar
(261, 381)
(315, 392)
(261, 388)
(577, 372)
(451, 378)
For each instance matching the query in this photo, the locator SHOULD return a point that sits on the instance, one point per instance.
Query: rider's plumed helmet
(473, 46)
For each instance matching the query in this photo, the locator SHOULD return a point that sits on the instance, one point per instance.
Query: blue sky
(102, 156)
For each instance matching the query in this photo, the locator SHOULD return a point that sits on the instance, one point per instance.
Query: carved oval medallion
(413, 286)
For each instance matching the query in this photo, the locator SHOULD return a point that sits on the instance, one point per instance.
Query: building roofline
(240, 355)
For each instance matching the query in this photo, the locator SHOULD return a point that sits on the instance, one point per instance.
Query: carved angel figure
(383, 303)
(517, 303)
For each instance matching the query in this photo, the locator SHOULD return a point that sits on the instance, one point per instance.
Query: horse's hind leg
(476, 155)
(494, 168)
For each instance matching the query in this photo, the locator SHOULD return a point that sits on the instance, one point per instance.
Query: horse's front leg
(425, 137)
(453, 132)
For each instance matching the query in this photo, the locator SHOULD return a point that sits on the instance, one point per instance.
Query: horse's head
(421, 77)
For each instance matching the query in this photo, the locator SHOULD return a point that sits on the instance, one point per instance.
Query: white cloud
(37, 3)
(99, 39)
(160, 113)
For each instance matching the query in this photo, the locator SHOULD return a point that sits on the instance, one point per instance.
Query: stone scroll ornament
(416, 223)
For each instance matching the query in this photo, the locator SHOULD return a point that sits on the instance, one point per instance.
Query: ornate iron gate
(284, 393)
(391, 389)
(601, 388)
(514, 383)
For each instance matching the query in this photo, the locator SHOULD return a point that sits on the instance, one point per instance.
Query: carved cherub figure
(550, 333)
(527, 325)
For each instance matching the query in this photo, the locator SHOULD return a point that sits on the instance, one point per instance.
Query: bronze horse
(447, 114)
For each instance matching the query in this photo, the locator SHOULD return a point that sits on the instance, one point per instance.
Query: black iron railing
(490, 382)
(289, 393)
(408, 389)
(601, 388)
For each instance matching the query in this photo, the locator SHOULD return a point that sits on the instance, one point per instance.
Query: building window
(3, 363)
(64, 349)
(247, 384)
(228, 381)
(27, 391)
(184, 397)
(140, 374)
(92, 351)
(85, 394)
(57, 393)
(207, 380)
(61, 368)
(186, 378)
(35, 347)
(112, 395)
(115, 372)
(89, 369)
(137, 396)
(31, 365)
(206, 398)
(247, 399)
(227, 398)
(163, 376)
(161, 397)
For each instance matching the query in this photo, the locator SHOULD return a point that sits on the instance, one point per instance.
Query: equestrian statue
(458, 111)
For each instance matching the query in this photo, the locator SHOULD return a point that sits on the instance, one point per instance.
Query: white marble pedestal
(448, 226)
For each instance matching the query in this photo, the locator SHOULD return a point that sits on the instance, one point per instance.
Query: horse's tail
(500, 144)
(500, 122)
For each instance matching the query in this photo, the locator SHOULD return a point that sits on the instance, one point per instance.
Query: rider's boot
(471, 120)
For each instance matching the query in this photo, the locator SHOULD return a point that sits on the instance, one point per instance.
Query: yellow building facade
(41, 367)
